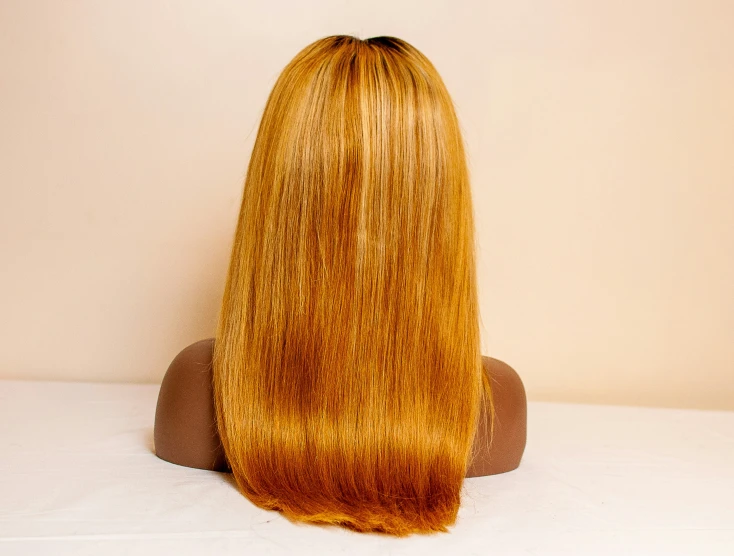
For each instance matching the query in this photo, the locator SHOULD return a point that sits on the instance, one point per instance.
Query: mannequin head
(347, 368)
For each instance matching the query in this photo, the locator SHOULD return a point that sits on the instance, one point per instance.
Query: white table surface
(78, 476)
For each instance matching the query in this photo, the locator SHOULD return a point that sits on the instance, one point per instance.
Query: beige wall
(601, 137)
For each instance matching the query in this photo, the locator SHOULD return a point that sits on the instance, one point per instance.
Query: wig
(347, 368)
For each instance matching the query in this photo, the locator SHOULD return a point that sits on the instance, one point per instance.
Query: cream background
(601, 143)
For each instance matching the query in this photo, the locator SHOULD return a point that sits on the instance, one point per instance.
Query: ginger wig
(347, 369)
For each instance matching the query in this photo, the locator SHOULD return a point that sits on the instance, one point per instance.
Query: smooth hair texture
(347, 367)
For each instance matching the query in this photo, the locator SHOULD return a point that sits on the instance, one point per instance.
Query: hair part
(348, 376)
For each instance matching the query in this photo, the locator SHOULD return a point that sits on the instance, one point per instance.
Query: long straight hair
(347, 368)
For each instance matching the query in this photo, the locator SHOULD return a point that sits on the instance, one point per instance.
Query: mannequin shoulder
(185, 429)
(506, 448)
